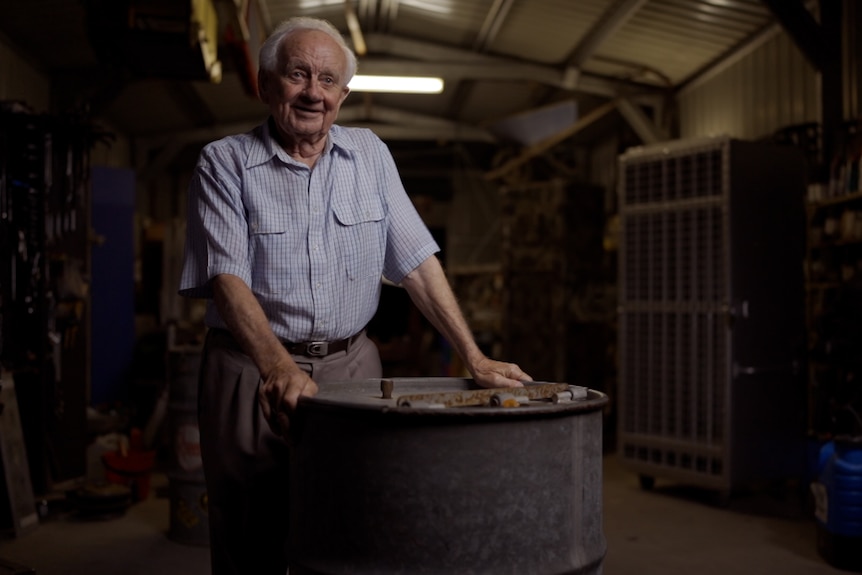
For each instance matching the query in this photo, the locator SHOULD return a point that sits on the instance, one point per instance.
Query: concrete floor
(670, 530)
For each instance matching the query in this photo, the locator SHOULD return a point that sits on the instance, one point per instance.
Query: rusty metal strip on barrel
(476, 397)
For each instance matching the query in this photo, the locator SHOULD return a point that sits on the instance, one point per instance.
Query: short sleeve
(217, 231)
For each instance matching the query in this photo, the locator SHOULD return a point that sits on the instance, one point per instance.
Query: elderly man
(291, 227)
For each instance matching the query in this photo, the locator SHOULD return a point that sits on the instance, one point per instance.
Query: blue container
(838, 502)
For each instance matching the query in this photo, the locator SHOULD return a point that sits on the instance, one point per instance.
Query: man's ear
(344, 94)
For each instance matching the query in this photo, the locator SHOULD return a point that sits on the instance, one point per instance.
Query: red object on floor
(132, 470)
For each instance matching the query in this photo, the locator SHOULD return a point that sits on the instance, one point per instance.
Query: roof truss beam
(799, 23)
(644, 127)
(612, 20)
(414, 57)
(821, 43)
(492, 24)
(540, 148)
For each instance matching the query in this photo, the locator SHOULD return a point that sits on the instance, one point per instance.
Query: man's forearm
(246, 321)
(430, 291)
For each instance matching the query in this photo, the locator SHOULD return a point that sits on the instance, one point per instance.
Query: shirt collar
(264, 146)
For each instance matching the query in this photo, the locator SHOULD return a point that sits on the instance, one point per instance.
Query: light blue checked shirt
(311, 244)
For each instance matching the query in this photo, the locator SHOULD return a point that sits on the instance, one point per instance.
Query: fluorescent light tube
(402, 84)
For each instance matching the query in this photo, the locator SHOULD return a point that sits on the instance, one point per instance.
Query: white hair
(269, 50)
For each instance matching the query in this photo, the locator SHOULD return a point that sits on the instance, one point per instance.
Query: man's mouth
(308, 111)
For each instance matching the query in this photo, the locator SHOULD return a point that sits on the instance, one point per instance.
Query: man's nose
(313, 88)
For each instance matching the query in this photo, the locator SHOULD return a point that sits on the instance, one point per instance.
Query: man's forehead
(311, 45)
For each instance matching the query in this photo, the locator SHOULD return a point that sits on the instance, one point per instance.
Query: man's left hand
(492, 373)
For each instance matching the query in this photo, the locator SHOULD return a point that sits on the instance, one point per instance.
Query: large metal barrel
(189, 520)
(433, 476)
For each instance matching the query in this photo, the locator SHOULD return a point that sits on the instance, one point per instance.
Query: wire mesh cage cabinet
(711, 310)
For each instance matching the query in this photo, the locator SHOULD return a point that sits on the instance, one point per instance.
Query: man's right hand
(283, 381)
(279, 393)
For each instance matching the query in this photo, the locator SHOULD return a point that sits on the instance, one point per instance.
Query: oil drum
(433, 475)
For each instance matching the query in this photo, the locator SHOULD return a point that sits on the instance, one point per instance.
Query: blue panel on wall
(113, 283)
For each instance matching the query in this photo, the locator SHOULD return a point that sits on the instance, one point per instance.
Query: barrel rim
(337, 395)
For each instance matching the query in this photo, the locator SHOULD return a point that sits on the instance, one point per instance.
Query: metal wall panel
(771, 87)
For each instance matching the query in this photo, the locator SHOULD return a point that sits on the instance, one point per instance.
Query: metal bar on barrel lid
(478, 397)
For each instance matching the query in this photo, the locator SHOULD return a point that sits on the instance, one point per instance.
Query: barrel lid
(450, 396)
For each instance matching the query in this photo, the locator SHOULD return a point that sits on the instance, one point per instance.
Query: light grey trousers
(246, 466)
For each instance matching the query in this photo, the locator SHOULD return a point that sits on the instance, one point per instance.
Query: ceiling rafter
(487, 33)
(415, 57)
(643, 125)
(550, 142)
(491, 26)
(612, 20)
(614, 17)
(807, 33)
(388, 14)
(367, 12)
(463, 53)
(391, 118)
(355, 29)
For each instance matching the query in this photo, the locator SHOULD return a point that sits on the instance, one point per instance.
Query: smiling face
(306, 90)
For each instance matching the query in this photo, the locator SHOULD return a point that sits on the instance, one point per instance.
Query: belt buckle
(317, 348)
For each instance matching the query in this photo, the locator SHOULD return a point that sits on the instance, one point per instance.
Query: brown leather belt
(306, 348)
(320, 348)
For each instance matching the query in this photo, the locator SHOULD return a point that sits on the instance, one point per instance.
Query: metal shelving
(833, 279)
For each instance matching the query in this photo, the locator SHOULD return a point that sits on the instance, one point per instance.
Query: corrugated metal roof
(284, 9)
(547, 31)
(678, 37)
(498, 57)
(453, 23)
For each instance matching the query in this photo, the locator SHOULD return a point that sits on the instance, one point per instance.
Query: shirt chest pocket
(361, 237)
(274, 251)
